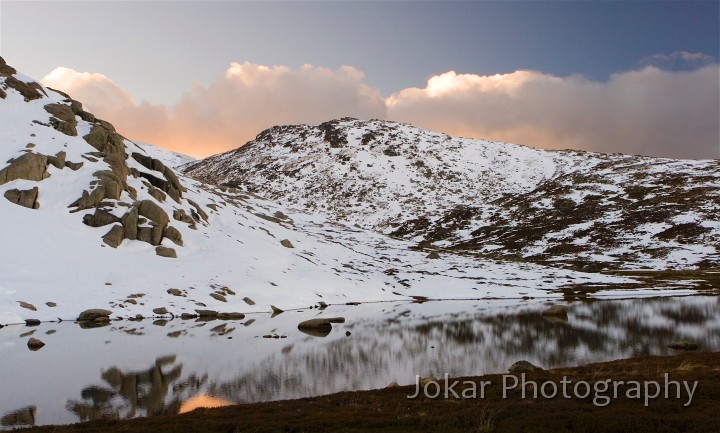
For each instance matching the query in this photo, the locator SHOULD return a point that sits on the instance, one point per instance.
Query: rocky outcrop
(25, 198)
(170, 184)
(63, 119)
(30, 166)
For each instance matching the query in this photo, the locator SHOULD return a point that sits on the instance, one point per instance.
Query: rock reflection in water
(130, 394)
(475, 342)
(19, 418)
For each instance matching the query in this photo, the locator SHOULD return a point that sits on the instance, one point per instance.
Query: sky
(636, 77)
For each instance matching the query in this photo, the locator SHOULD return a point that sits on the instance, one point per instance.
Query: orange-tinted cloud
(648, 111)
(233, 109)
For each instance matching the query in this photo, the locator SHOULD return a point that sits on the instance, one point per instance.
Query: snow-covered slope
(574, 209)
(92, 220)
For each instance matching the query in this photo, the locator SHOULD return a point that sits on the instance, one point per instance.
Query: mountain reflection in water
(124, 371)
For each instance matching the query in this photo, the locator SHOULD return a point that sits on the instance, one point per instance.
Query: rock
(322, 305)
(29, 91)
(218, 297)
(27, 305)
(206, 313)
(145, 234)
(160, 322)
(51, 304)
(25, 198)
(231, 316)
(29, 166)
(160, 311)
(319, 327)
(433, 255)
(320, 322)
(248, 301)
(156, 214)
(523, 367)
(103, 137)
(94, 314)
(100, 218)
(74, 166)
(276, 310)
(118, 166)
(129, 222)
(63, 118)
(188, 316)
(198, 209)
(286, 243)
(173, 234)
(556, 310)
(175, 292)
(166, 252)
(22, 417)
(180, 215)
(348, 333)
(392, 384)
(115, 236)
(684, 344)
(58, 160)
(89, 200)
(35, 344)
(32, 322)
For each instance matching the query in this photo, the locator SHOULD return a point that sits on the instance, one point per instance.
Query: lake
(144, 368)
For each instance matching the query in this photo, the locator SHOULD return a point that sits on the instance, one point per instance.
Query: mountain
(91, 219)
(571, 209)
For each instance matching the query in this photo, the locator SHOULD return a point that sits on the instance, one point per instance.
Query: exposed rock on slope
(112, 195)
(581, 210)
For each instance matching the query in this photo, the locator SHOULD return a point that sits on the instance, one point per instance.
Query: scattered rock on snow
(166, 252)
(27, 305)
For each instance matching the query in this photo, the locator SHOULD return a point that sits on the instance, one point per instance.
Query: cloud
(107, 100)
(233, 109)
(678, 60)
(648, 111)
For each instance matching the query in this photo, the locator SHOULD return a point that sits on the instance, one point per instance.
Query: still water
(130, 369)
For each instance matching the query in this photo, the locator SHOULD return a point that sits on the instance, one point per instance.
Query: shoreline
(497, 410)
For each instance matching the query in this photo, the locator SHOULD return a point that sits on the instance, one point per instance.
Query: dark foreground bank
(687, 388)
